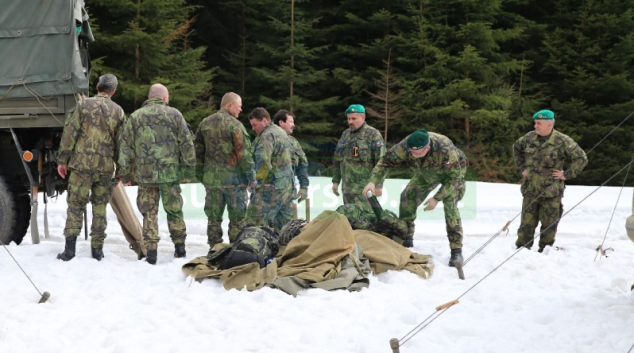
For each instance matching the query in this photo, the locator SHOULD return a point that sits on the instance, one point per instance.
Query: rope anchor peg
(603, 251)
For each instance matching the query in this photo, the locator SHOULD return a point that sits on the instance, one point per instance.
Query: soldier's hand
(525, 173)
(559, 174)
(408, 242)
(302, 195)
(369, 187)
(430, 204)
(335, 187)
(378, 191)
(117, 180)
(61, 170)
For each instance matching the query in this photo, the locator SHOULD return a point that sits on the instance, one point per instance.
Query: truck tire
(15, 213)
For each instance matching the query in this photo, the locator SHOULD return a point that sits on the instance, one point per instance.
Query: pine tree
(145, 42)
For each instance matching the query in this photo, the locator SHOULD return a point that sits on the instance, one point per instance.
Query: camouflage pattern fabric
(362, 217)
(300, 164)
(216, 199)
(357, 152)
(290, 231)
(158, 142)
(271, 207)
(254, 244)
(542, 158)
(91, 132)
(83, 187)
(224, 158)
(148, 201)
(444, 165)
(271, 200)
(548, 211)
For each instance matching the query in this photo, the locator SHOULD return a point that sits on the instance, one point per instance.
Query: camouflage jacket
(361, 216)
(272, 158)
(443, 164)
(541, 159)
(357, 153)
(300, 162)
(91, 132)
(158, 142)
(224, 152)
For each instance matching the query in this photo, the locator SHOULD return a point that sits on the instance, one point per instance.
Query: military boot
(456, 256)
(69, 250)
(97, 254)
(408, 241)
(151, 256)
(179, 250)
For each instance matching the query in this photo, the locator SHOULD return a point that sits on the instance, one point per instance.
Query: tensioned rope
(538, 197)
(600, 249)
(431, 318)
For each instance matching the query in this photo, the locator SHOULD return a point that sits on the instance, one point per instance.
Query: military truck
(44, 68)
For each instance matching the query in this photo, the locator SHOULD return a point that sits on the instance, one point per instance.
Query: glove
(408, 242)
(302, 195)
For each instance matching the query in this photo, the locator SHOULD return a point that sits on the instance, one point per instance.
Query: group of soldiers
(155, 147)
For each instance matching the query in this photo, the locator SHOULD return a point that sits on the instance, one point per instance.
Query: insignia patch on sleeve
(448, 165)
(571, 147)
(379, 143)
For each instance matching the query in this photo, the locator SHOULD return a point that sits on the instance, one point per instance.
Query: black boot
(151, 256)
(69, 250)
(97, 254)
(179, 250)
(456, 256)
(408, 242)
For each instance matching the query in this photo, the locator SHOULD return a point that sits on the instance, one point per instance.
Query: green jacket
(443, 164)
(357, 153)
(224, 153)
(272, 158)
(300, 162)
(158, 142)
(541, 159)
(90, 135)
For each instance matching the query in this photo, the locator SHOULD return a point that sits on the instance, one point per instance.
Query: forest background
(473, 70)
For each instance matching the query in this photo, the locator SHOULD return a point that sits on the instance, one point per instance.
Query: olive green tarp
(39, 51)
(327, 254)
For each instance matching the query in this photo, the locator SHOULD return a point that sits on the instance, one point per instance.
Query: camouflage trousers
(147, 201)
(546, 210)
(216, 199)
(271, 207)
(417, 191)
(83, 187)
(353, 194)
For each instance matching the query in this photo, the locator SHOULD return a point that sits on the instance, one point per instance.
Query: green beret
(418, 139)
(355, 108)
(544, 115)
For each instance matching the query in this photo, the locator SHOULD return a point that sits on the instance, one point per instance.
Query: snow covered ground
(559, 301)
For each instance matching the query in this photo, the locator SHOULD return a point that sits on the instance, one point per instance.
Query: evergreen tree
(145, 42)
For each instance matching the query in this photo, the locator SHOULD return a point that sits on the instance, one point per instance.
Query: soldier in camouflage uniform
(286, 120)
(435, 160)
(540, 156)
(273, 190)
(224, 161)
(88, 148)
(157, 141)
(358, 150)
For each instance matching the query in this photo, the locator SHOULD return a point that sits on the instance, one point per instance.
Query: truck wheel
(23, 208)
(8, 212)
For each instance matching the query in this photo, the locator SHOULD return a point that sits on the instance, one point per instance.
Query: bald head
(232, 103)
(159, 91)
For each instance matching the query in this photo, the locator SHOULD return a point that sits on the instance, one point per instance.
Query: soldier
(540, 156)
(273, 166)
(157, 141)
(88, 148)
(286, 120)
(435, 160)
(224, 160)
(358, 150)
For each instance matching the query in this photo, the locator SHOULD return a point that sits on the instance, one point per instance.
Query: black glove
(408, 242)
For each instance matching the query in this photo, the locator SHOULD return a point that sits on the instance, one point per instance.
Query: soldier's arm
(451, 171)
(302, 168)
(378, 152)
(518, 154)
(243, 151)
(72, 126)
(200, 147)
(118, 130)
(392, 158)
(577, 157)
(126, 151)
(263, 153)
(338, 157)
(187, 155)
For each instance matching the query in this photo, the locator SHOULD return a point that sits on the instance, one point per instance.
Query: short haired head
(282, 115)
(232, 103)
(157, 90)
(259, 114)
(107, 83)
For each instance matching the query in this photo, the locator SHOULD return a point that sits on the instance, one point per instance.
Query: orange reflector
(27, 155)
